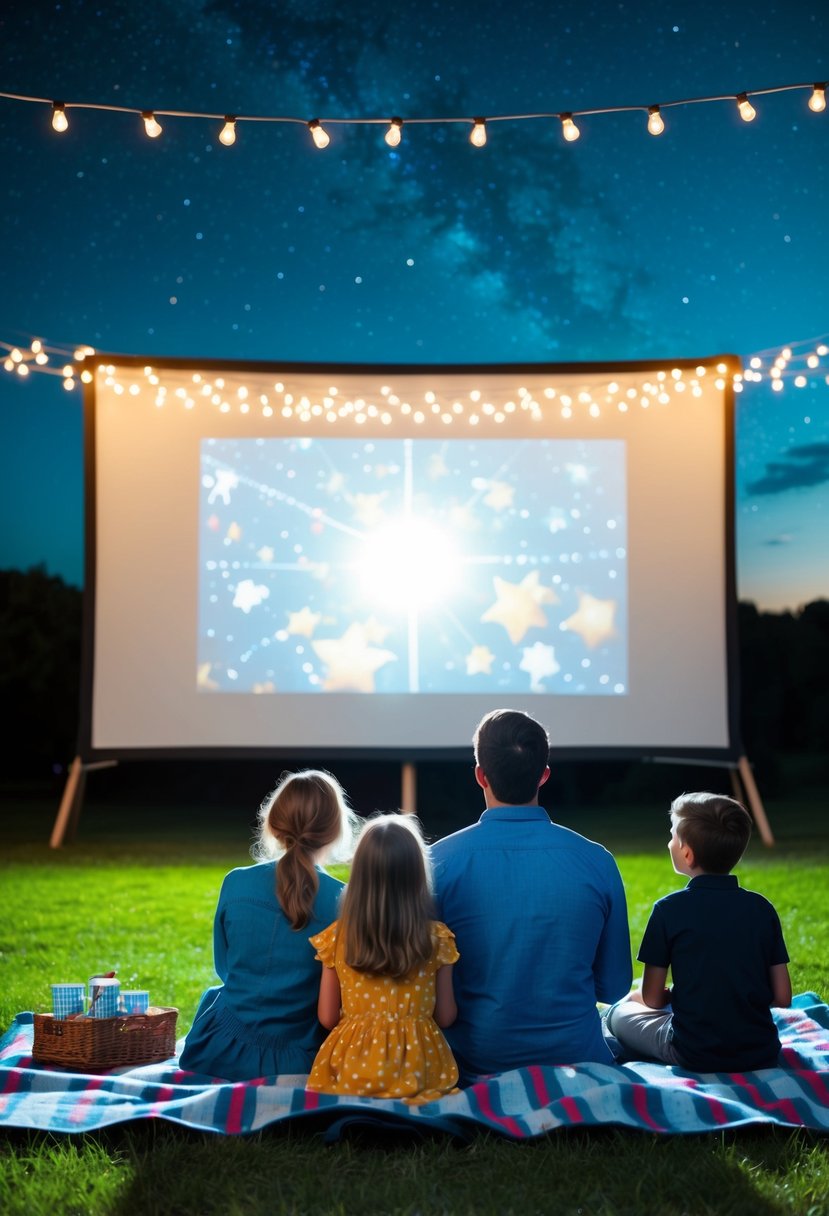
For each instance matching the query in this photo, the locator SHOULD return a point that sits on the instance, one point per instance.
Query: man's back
(540, 920)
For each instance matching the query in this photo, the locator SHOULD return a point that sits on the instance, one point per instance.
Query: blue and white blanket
(521, 1104)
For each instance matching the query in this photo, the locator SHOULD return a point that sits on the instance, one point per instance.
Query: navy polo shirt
(720, 943)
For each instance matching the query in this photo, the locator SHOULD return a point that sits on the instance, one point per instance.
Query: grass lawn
(136, 894)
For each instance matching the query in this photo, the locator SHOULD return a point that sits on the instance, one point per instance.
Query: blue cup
(136, 1001)
(103, 997)
(67, 1000)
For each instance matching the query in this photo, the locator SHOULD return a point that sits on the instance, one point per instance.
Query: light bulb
(817, 101)
(747, 110)
(227, 135)
(655, 124)
(320, 137)
(151, 124)
(59, 120)
(478, 134)
(568, 128)
(394, 133)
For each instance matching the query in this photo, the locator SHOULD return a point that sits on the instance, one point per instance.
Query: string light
(747, 110)
(151, 124)
(320, 136)
(59, 120)
(655, 123)
(568, 128)
(817, 103)
(477, 136)
(394, 133)
(227, 135)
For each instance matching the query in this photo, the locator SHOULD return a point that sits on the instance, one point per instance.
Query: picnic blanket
(520, 1104)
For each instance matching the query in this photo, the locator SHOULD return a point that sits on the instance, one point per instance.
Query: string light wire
(58, 110)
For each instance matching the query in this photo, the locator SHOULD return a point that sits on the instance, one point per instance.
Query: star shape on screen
(335, 484)
(203, 681)
(593, 620)
(375, 632)
(265, 554)
(234, 532)
(303, 622)
(463, 518)
(249, 594)
(539, 661)
(368, 508)
(351, 662)
(267, 686)
(518, 605)
(500, 495)
(479, 661)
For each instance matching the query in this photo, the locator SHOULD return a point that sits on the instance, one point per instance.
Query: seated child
(262, 1019)
(724, 948)
(386, 984)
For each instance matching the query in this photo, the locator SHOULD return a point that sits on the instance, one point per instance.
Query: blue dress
(262, 1019)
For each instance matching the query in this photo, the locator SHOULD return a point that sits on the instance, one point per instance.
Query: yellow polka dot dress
(387, 1043)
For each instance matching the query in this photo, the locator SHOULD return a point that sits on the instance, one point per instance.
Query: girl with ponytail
(262, 1019)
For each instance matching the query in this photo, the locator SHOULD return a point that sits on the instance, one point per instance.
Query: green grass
(136, 894)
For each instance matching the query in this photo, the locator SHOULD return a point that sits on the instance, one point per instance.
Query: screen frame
(91, 753)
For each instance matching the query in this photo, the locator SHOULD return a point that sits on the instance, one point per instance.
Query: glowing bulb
(747, 110)
(320, 137)
(655, 124)
(59, 120)
(812, 361)
(227, 135)
(478, 135)
(817, 101)
(568, 128)
(394, 133)
(151, 124)
(37, 346)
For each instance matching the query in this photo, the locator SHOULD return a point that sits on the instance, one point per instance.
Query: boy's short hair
(513, 750)
(714, 827)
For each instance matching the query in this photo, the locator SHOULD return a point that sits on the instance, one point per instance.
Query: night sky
(710, 238)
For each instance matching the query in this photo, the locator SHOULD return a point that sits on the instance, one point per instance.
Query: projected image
(413, 566)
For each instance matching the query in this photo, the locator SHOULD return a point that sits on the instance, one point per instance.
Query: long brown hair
(305, 817)
(387, 908)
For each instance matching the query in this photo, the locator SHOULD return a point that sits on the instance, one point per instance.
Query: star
(234, 532)
(368, 509)
(463, 518)
(303, 622)
(335, 483)
(374, 631)
(249, 594)
(593, 620)
(479, 661)
(267, 687)
(500, 495)
(351, 662)
(517, 605)
(203, 681)
(539, 661)
(265, 554)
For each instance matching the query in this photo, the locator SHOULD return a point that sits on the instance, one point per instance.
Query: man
(538, 913)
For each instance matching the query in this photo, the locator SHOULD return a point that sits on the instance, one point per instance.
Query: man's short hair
(513, 750)
(715, 828)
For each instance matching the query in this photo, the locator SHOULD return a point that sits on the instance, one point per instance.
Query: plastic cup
(136, 1001)
(67, 999)
(103, 997)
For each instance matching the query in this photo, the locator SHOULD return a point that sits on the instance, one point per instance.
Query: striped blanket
(520, 1105)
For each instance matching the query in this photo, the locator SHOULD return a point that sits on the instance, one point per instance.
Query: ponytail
(304, 817)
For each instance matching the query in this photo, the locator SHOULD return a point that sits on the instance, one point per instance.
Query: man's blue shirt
(540, 920)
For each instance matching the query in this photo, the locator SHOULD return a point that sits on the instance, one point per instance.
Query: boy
(724, 947)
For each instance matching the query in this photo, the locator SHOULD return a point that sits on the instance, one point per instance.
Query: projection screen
(319, 559)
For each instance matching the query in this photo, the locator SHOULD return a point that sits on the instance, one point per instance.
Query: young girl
(387, 980)
(262, 1020)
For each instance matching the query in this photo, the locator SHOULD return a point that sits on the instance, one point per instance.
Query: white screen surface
(307, 560)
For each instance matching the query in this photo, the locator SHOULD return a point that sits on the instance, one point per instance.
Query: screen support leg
(408, 789)
(754, 800)
(69, 811)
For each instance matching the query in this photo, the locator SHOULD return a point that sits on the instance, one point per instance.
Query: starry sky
(711, 238)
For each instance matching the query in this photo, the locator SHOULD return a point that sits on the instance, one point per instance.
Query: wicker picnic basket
(92, 1044)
